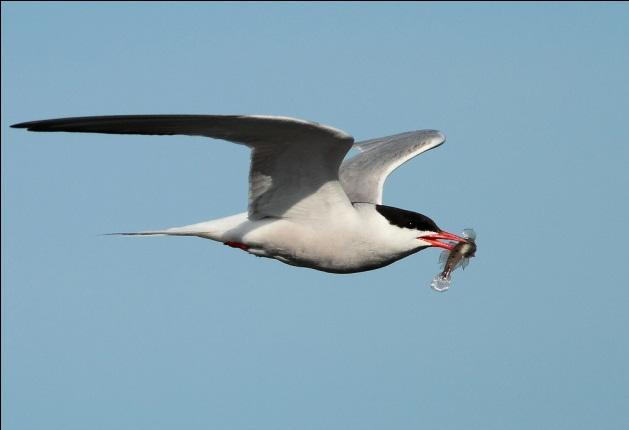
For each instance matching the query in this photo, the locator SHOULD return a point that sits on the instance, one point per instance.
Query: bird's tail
(142, 233)
(214, 229)
(177, 231)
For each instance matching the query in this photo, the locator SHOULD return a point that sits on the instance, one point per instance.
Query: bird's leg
(237, 245)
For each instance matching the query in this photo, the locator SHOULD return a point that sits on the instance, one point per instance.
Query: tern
(307, 206)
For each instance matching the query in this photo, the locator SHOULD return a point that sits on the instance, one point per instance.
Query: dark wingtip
(44, 125)
(30, 126)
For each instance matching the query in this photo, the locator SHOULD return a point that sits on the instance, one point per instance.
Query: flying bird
(307, 206)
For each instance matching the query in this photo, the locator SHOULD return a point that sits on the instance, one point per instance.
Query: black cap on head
(407, 219)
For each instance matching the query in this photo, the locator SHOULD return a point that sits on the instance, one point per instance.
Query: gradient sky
(124, 333)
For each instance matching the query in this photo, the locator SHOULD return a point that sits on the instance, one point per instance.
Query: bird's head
(419, 228)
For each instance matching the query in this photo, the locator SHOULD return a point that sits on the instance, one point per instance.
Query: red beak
(433, 239)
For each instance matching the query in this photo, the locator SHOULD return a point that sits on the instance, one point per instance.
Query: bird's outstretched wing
(294, 163)
(363, 175)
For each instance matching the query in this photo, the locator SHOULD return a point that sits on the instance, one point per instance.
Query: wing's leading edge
(363, 175)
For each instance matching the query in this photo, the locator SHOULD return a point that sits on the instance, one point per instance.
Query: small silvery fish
(459, 255)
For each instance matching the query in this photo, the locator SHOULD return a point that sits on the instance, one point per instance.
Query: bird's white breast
(358, 240)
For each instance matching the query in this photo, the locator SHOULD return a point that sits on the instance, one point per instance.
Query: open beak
(433, 239)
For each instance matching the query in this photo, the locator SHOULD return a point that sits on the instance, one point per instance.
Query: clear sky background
(135, 333)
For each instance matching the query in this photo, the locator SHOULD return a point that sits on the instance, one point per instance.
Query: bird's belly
(329, 250)
(338, 262)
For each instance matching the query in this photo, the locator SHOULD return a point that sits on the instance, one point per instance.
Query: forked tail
(177, 231)
(214, 229)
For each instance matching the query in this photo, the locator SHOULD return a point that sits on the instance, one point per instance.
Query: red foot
(237, 245)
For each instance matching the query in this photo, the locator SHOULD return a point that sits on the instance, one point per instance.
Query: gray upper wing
(244, 129)
(363, 175)
(294, 165)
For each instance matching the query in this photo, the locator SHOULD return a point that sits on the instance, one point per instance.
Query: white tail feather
(213, 230)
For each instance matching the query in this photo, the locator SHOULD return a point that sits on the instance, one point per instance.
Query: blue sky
(107, 332)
